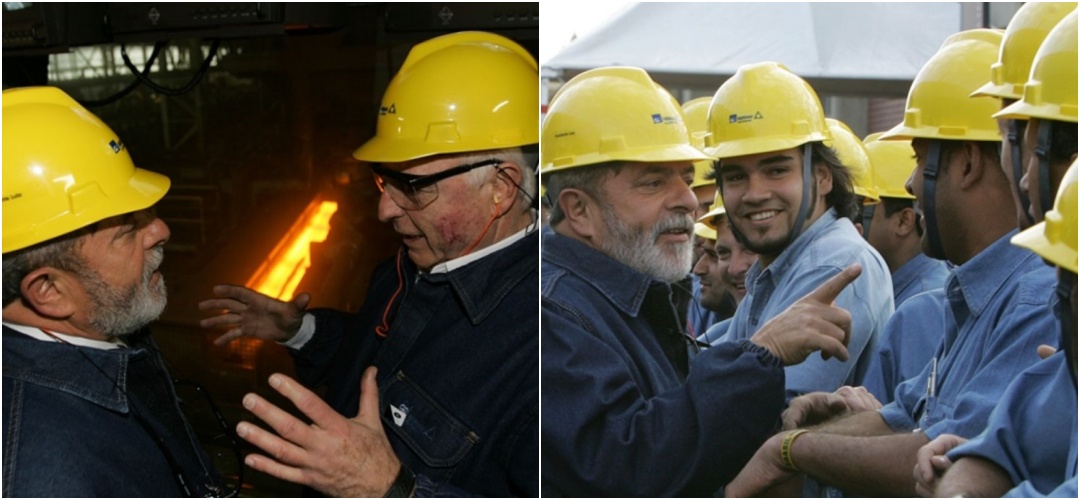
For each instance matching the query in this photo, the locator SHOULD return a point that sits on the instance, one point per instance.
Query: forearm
(974, 477)
(864, 424)
(861, 465)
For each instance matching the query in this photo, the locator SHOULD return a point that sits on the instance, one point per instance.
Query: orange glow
(281, 272)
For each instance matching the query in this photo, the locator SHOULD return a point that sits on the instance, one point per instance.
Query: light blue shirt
(907, 344)
(995, 317)
(918, 275)
(824, 249)
(1024, 434)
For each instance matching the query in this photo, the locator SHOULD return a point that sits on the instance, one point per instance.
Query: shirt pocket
(430, 431)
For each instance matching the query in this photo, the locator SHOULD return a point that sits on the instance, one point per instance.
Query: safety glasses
(414, 192)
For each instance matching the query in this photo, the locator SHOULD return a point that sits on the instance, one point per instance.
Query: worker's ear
(581, 212)
(906, 220)
(505, 185)
(50, 292)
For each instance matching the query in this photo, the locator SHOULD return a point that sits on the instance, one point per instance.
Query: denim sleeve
(601, 436)
(1026, 490)
(906, 345)
(907, 399)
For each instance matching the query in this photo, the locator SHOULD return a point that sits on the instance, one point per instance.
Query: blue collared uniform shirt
(1024, 434)
(918, 275)
(907, 344)
(824, 249)
(995, 319)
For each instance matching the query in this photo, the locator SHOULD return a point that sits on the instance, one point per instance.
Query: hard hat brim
(1034, 239)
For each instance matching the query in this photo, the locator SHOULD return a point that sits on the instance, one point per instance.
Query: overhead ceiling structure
(868, 49)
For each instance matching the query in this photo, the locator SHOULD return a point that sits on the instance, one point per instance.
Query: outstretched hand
(247, 313)
(811, 324)
(338, 456)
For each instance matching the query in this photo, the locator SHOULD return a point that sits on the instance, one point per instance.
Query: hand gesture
(338, 456)
(818, 407)
(247, 313)
(811, 324)
(931, 463)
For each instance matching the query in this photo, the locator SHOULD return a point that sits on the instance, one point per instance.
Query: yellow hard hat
(892, 162)
(855, 157)
(64, 169)
(701, 230)
(1054, 239)
(467, 91)
(938, 104)
(711, 218)
(1050, 93)
(697, 112)
(762, 108)
(1025, 33)
(613, 114)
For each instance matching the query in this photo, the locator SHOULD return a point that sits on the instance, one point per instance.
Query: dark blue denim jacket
(71, 431)
(619, 419)
(458, 375)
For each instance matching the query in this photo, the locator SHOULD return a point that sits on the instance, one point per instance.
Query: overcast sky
(562, 19)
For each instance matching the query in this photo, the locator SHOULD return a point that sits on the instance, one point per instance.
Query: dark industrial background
(251, 134)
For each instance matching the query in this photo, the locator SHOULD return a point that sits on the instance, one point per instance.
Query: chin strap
(1014, 137)
(867, 216)
(1042, 150)
(930, 174)
(809, 189)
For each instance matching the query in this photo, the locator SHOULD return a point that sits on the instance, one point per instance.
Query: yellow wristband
(785, 448)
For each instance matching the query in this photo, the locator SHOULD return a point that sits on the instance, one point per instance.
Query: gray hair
(587, 178)
(527, 192)
(60, 252)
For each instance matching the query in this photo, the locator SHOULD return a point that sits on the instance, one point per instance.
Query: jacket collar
(98, 376)
(623, 286)
(481, 286)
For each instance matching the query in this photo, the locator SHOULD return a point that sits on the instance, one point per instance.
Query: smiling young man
(450, 323)
(788, 198)
(630, 405)
(81, 373)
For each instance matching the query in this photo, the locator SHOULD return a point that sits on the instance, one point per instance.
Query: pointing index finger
(827, 292)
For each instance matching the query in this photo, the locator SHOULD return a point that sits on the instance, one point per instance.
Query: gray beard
(117, 312)
(638, 248)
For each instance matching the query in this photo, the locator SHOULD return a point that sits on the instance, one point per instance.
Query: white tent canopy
(851, 48)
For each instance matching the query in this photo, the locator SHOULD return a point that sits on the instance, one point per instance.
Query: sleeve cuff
(766, 355)
(307, 330)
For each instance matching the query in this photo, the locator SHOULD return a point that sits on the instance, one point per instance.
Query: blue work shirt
(824, 249)
(699, 318)
(1024, 434)
(910, 338)
(918, 275)
(995, 317)
(617, 417)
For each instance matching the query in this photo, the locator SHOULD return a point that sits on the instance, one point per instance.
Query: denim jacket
(621, 417)
(458, 383)
(72, 423)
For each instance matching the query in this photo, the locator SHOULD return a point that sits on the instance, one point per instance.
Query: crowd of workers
(887, 316)
(737, 295)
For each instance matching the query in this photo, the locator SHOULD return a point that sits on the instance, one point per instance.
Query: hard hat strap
(930, 174)
(809, 190)
(1015, 133)
(867, 217)
(1042, 150)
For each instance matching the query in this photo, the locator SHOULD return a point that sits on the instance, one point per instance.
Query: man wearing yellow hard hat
(994, 319)
(450, 323)
(791, 199)
(631, 405)
(89, 408)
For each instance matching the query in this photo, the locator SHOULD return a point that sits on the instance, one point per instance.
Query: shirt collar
(40, 334)
(981, 277)
(464, 260)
